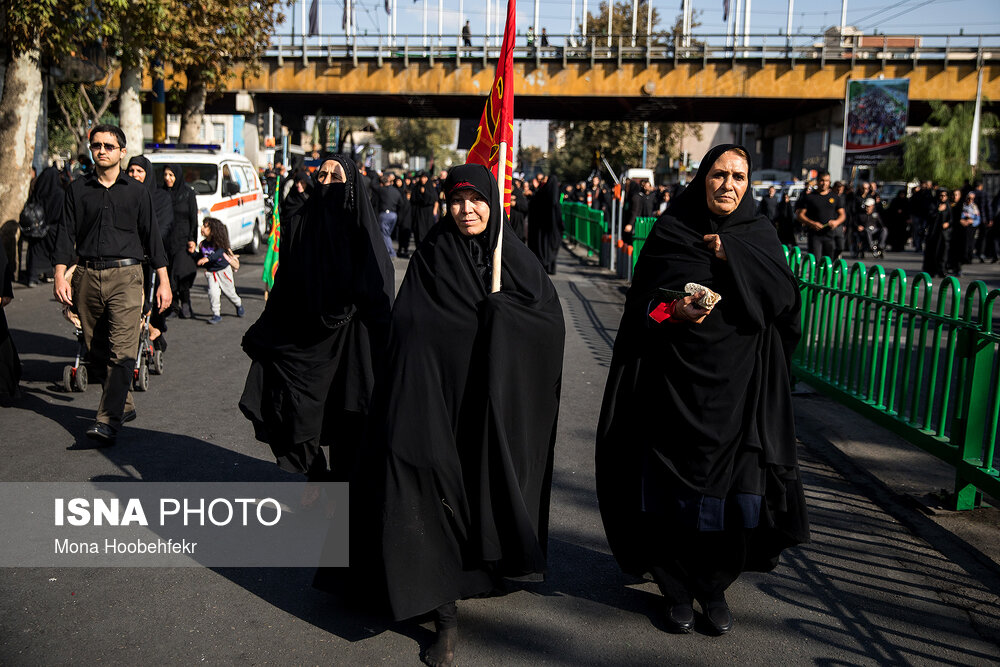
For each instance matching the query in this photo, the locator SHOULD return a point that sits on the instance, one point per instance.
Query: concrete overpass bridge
(768, 80)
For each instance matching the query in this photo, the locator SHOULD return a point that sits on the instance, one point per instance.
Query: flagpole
(501, 182)
(440, 22)
(974, 140)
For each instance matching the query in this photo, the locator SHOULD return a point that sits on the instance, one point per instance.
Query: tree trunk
(19, 109)
(194, 108)
(130, 107)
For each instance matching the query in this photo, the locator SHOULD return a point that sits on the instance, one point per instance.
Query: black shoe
(103, 433)
(720, 619)
(186, 311)
(128, 416)
(680, 618)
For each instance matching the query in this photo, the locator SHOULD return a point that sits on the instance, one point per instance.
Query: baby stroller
(74, 377)
(149, 358)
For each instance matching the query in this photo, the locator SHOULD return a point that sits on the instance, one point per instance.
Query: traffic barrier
(583, 225)
(930, 372)
(640, 232)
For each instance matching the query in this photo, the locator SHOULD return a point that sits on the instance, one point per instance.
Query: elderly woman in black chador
(469, 408)
(321, 337)
(697, 475)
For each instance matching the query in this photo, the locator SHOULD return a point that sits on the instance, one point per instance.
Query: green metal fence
(640, 232)
(584, 225)
(927, 369)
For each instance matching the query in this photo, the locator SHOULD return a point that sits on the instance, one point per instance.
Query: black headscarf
(163, 205)
(316, 346)
(698, 417)
(469, 407)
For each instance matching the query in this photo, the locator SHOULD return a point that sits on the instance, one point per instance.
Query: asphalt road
(877, 585)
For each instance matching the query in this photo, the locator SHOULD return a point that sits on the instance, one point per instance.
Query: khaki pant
(109, 303)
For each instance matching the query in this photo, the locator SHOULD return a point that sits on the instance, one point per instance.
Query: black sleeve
(149, 232)
(192, 206)
(65, 247)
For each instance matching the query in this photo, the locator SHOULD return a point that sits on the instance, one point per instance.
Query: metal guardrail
(621, 48)
(929, 371)
(584, 225)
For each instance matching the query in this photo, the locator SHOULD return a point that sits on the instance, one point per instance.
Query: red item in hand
(662, 312)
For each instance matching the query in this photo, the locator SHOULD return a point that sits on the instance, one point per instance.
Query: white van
(640, 175)
(227, 187)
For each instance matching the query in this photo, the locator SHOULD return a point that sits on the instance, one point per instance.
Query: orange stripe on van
(235, 201)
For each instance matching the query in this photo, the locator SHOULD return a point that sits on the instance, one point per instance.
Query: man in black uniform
(388, 204)
(822, 213)
(108, 222)
(769, 205)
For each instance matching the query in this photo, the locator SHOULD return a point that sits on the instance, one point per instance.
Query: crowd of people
(950, 227)
(407, 205)
(439, 402)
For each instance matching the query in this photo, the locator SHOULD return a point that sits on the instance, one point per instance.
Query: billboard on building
(876, 111)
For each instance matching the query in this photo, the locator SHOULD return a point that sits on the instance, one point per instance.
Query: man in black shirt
(109, 224)
(822, 213)
(388, 203)
(769, 205)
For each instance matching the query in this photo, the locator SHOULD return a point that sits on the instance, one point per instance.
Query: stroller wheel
(141, 382)
(80, 381)
(156, 363)
(67, 379)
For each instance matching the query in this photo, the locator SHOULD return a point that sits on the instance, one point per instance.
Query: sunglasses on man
(96, 146)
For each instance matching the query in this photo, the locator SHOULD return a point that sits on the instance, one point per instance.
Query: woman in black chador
(469, 409)
(180, 243)
(697, 475)
(316, 346)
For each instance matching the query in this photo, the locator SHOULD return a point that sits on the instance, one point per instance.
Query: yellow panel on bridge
(714, 80)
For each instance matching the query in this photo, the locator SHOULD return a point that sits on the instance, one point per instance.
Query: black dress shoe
(719, 618)
(129, 416)
(103, 433)
(680, 618)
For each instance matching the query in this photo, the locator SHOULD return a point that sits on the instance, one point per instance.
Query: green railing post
(970, 417)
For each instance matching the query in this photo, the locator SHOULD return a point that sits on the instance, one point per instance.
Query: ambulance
(227, 187)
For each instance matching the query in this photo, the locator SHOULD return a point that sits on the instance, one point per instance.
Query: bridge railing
(927, 369)
(622, 48)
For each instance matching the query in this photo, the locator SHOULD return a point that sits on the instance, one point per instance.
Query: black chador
(469, 409)
(545, 224)
(697, 475)
(322, 334)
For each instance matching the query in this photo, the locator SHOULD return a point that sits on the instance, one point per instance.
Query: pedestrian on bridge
(697, 475)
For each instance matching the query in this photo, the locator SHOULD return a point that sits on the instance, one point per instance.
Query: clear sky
(810, 16)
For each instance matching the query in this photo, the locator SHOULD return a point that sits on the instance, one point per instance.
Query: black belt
(100, 265)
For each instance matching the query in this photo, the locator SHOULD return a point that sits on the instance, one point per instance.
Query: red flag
(497, 122)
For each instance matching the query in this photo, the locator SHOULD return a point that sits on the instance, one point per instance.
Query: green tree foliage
(597, 24)
(208, 38)
(619, 142)
(58, 27)
(940, 150)
(80, 106)
(430, 138)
